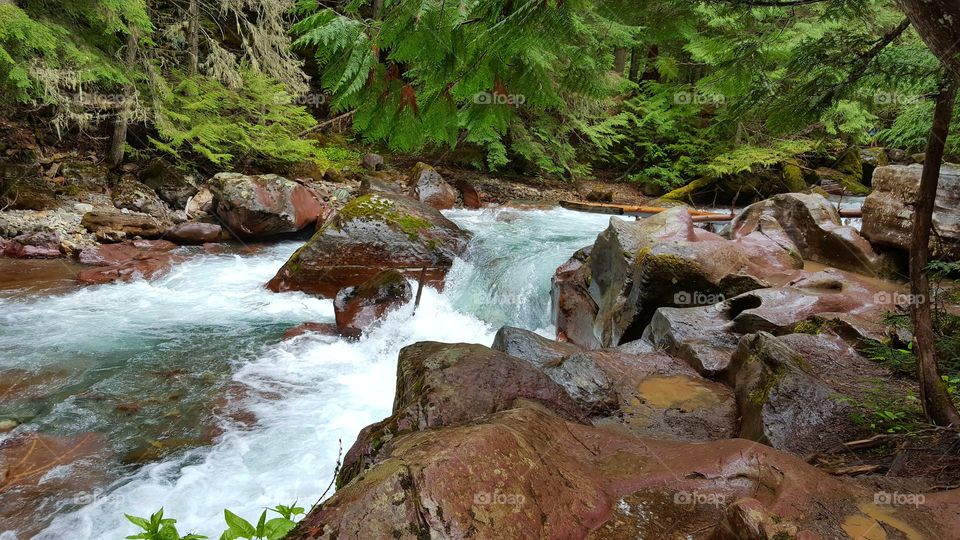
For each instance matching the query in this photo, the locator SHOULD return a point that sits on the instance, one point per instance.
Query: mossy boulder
(783, 403)
(23, 187)
(793, 179)
(372, 233)
(170, 183)
(836, 182)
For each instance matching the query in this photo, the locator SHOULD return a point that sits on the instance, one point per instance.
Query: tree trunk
(620, 60)
(651, 73)
(115, 156)
(635, 64)
(377, 10)
(193, 37)
(936, 22)
(937, 405)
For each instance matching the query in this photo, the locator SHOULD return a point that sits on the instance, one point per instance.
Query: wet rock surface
(372, 233)
(888, 211)
(357, 308)
(814, 228)
(266, 205)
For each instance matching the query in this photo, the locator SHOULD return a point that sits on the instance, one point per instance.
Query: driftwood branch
(327, 123)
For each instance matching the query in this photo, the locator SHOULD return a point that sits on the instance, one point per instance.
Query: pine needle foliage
(258, 120)
(525, 81)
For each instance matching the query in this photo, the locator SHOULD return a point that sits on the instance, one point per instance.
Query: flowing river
(204, 406)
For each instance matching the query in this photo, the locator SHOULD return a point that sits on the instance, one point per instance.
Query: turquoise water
(204, 407)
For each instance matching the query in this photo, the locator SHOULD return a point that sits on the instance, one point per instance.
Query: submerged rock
(372, 233)
(266, 205)
(888, 211)
(123, 262)
(356, 308)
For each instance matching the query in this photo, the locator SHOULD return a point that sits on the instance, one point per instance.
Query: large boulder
(647, 394)
(638, 267)
(372, 233)
(888, 211)
(813, 225)
(524, 473)
(783, 401)
(426, 185)
(266, 205)
(441, 384)
(169, 182)
(356, 308)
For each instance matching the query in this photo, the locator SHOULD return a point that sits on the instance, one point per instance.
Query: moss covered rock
(372, 233)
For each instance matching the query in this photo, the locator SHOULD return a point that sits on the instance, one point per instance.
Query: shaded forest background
(659, 93)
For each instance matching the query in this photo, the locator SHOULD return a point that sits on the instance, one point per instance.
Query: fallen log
(638, 210)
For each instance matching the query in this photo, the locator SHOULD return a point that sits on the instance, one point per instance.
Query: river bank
(173, 390)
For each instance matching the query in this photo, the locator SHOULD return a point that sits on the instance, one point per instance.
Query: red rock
(429, 187)
(195, 233)
(813, 225)
(469, 195)
(442, 384)
(356, 308)
(146, 267)
(123, 262)
(372, 233)
(266, 205)
(32, 246)
(524, 473)
(113, 254)
(573, 309)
